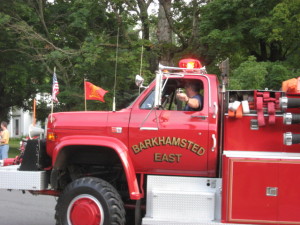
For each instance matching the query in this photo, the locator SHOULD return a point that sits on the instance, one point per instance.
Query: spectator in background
(4, 141)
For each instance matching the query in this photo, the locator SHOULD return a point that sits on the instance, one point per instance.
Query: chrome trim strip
(254, 114)
(263, 155)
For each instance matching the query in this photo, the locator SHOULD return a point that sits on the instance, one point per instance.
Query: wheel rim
(85, 210)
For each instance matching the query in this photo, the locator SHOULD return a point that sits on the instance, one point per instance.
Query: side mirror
(139, 81)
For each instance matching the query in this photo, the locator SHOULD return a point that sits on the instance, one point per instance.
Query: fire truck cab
(167, 139)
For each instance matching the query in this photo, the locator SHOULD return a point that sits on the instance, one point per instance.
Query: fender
(119, 147)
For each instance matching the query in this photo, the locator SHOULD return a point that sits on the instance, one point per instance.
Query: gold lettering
(178, 157)
(189, 145)
(154, 142)
(136, 149)
(168, 141)
(157, 157)
(148, 143)
(161, 141)
(183, 143)
(201, 151)
(195, 148)
(142, 146)
(175, 141)
(171, 141)
(171, 158)
(165, 157)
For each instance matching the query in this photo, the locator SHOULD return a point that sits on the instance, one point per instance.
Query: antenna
(141, 66)
(142, 54)
(84, 86)
(116, 66)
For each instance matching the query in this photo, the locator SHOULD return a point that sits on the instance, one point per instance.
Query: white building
(20, 120)
(19, 123)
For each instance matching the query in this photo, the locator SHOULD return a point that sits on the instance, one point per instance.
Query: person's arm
(191, 102)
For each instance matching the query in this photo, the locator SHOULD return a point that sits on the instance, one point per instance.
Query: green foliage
(14, 145)
(259, 75)
(79, 39)
(252, 72)
(277, 73)
(268, 30)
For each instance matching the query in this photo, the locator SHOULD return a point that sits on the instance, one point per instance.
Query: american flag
(55, 88)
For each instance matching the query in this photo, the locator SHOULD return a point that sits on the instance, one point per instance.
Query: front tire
(90, 201)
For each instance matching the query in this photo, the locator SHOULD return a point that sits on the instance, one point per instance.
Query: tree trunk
(276, 52)
(144, 19)
(164, 33)
(263, 51)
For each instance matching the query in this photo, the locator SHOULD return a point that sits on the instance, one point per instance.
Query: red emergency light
(190, 64)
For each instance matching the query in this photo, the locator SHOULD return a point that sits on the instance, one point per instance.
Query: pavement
(17, 208)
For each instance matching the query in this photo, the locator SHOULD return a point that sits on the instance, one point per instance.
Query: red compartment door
(248, 181)
(262, 191)
(289, 192)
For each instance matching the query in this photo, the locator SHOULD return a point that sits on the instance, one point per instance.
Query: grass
(14, 144)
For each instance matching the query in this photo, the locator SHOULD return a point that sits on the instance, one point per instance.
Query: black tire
(90, 201)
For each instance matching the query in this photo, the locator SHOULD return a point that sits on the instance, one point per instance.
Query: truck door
(169, 139)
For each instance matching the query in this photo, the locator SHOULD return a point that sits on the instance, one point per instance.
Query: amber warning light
(190, 64)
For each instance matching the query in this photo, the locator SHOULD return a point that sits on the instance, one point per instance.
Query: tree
(267, 30)
(78, 38)
(252, 72)
(18, 71)
(178, 29)
(259, 75)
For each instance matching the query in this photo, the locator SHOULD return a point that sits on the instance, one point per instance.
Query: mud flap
(35, 156)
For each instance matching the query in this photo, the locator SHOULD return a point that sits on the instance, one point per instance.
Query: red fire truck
(236, 160)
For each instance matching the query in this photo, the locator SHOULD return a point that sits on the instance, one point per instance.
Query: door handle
(213, 136)
(215, 110)
(148, 128)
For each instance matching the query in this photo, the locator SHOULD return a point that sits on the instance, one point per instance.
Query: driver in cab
(191, 97)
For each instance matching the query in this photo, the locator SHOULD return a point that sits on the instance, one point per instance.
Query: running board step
(149, 221)
(182, 200)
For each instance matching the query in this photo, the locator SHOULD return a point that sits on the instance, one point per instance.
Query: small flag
(92, 92)
(55, 88)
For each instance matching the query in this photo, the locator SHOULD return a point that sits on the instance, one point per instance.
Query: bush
(259, 75)
(14, 144)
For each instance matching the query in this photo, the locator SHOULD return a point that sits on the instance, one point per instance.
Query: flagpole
(84, 93)
(34, 112)
(52, 105)
(116, 67)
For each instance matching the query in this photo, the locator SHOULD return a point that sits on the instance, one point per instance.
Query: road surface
(17, 208)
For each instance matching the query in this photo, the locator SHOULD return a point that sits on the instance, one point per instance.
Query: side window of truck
(169, 100)
(149, 101)
(194, 90)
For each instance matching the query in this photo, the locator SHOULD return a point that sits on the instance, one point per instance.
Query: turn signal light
(51, 136)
